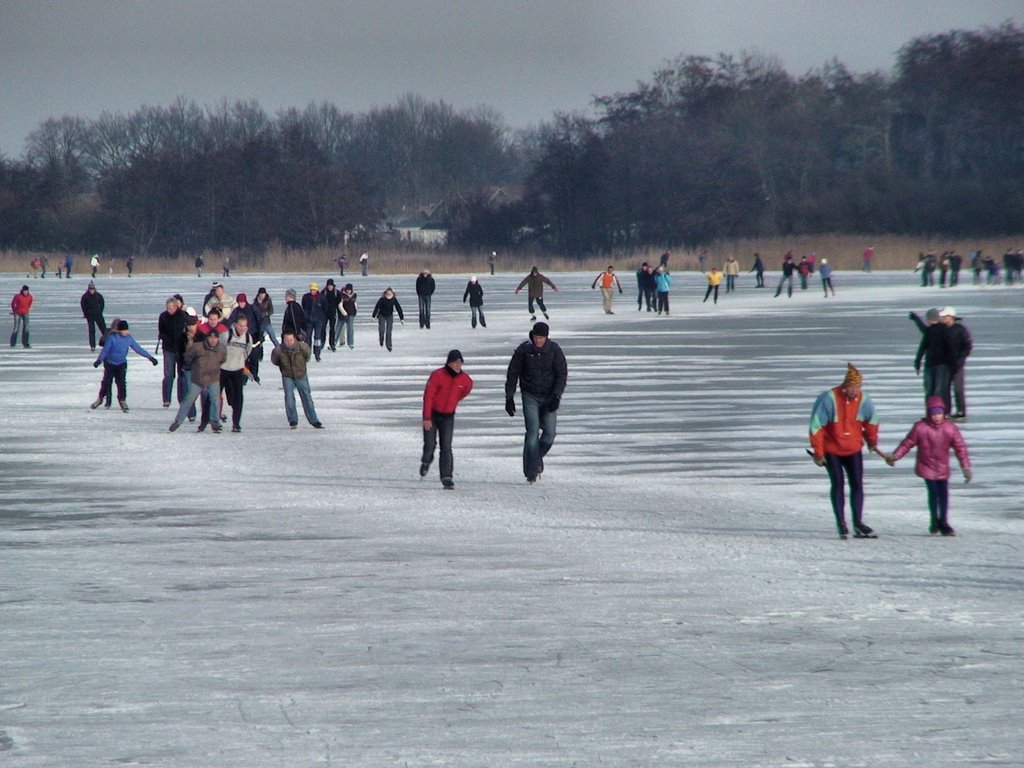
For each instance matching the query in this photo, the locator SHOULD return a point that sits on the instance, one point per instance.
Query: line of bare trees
(708, 148)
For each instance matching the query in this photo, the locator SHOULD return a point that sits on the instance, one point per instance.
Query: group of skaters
(843, 420)
(986, 269)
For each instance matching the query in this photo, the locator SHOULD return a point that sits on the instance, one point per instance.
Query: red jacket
(21, 303)
(933, 442)
(840, 425)
(444, 390)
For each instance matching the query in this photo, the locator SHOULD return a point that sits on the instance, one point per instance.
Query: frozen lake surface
(670, 593)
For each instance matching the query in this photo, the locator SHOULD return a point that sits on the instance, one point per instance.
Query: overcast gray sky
(525, 59)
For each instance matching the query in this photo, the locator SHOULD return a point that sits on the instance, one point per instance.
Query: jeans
(540, 303)
(211, 392)
(266, 327)
(93, 322)
(384, 326)
(114, 374)
(938, 500)
(730, 283)
(540, 433)
(475, 314)
(332, 330)
(759, 276)
(854, 469)
(662, 302)
(185, 383)
(349, 324)
(443, 428)
(172, 368)
(302, 385)
(424, 311)
(20, 324)
(787, 281)
(315, 330)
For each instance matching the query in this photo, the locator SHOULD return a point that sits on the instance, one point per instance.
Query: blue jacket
(825, 271)
(663, 280)
(115, 350)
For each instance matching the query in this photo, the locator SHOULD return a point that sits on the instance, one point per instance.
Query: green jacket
(292, 362)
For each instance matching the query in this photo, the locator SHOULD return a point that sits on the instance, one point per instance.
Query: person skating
(936, 352)
(264, 307)
(130, 264)
(804, 270)
(348, 309)
(219, 297)
(934, 436)
(203, 358)
(714, 280)
(539, 369)
(293, 319)
(446, 388)
(92, 304)
(114, 359)
(826, 277)
(94, 264)
(535, 283)
(758, 269)
(646, 290)
(199, 266)
(342, 262)
(788, 268)
(384, 313)
(292, 358)
(608, 280)
(425, 286)
(475, 293)
(732, 271)
(171, 331)
(364, 263)
(662, 283)
(491, 260)
(842, 420)
(69, 262)
(331, 298)
(316, 319)
(235, 371)
(21, 306)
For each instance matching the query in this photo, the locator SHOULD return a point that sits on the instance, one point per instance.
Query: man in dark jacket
(293, 319)
(936, 351)
(316, 319)
(539, 369)
(425, 286)
(646, 290)
(960, 346)
(331, 298)
(171, 331)
(445, 388)
(92, 310)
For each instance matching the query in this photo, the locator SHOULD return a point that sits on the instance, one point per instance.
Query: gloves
(552, 404)
(917, 369)
(152, 360)
(510, 406)
(968, 475)
(96, 364)
(819, 460)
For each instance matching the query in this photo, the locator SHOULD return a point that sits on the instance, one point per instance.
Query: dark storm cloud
(526, 59)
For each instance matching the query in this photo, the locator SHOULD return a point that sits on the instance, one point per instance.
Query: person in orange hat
(842, 420)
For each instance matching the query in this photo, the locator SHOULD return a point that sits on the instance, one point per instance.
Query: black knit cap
(541, 329)
(453, 356)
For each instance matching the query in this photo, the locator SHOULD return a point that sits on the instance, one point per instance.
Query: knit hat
(931, 315)
(24, 287)
(290, 292)
(348, 286)
(853, 377)
(453, 356)
(261, 290)
(314, 287)
(935, 404)
(472, 279)
(541, 329)
(330, 282)
(241, 298)
(91, 284)
(122, 325)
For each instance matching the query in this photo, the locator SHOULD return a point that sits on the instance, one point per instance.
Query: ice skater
(292, 358)
(826, 277)
(535, 283)
(92, 305)
(384, 313)
(446, 388)
(608, 280)
(934, 435)
(114, 359)
(21, 306)
(475, 293)
(714, 280)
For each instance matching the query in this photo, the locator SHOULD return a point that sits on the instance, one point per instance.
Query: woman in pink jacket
(934, 436)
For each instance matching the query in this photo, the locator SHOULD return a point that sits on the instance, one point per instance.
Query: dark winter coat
(425, 285)
(171, 330)
(265, 307)
(475, 293)
(348, 303)
(936, 349)
(313, 307)
(294, 319)
(250, 313)
(645, 279)
(538, 372)
(960, 344)
(92, 305)
(292, 361)
(331, 298)
(535, 282)
(387, 307)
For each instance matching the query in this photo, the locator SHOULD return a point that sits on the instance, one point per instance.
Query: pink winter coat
(933, 442)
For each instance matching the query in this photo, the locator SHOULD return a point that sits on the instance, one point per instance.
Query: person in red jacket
(21, 304)
(842, 420)
(445, 388)
(934, 436)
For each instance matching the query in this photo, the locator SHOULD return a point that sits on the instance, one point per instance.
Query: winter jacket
(538, 372)
(936, 348)
(732, 267)
(292, 360)
(787, 267)
(840, 425)
(645, 279)
(349, 305)
(331, 298)
(758, 265)
(293, 320)
(714, 278)
(425, 285)
(825, 271)
(386, 307)
(92, 305)
(535, 282)
(227, 304)
(171, 331)
(662, 281)
(933, 442)
(264, 308)
(607, 280)
(445, 388)
(238, 350)
(313, 307)
(21, 303)
(475, 293)
(115, 349)
(960, 344)
(204, 361)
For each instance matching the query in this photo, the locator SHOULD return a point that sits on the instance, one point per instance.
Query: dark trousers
(232, 384)
(938, 500)
(540, 303)
(730, 283)
(332, 333)
(853, 467)
(117, 374)
(958, 391)
(708, 292)
(760, 279)
(443, 428)
(424, 311)
(477, 312)
(662, 302)
(826, 285)
(172, 368)
(788, 282)
(541, 428)
(937, 381)
(93, 323)
(384, 326)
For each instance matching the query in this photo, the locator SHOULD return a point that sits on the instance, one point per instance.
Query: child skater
(934, 436)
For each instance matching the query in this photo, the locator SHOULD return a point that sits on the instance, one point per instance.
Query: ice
(670, 593)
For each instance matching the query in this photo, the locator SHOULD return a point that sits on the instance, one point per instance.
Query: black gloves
(96, 364)
(510, 406)
(152, 360)
(552, 404)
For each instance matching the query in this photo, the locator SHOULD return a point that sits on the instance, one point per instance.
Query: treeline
(708, 148)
